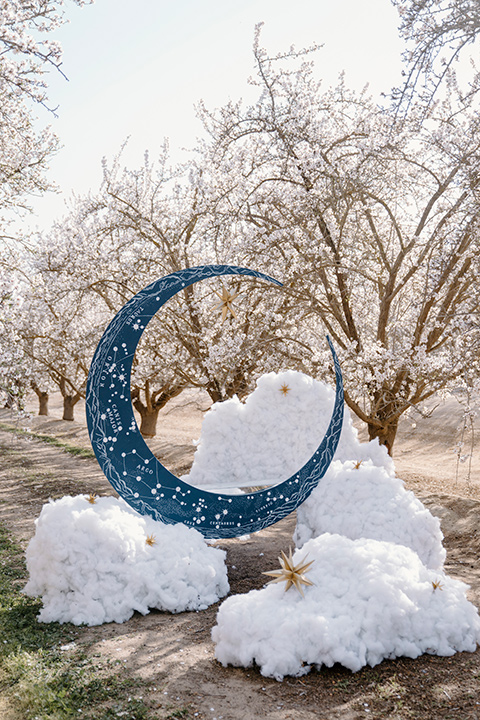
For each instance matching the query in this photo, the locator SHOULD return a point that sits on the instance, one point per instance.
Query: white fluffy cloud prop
(91, 564)
(371, 600)
(270, 436)
(368, 502)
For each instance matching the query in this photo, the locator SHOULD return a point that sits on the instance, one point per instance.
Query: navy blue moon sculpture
(130, 466)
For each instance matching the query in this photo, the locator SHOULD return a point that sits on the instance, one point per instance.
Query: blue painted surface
(133, 470)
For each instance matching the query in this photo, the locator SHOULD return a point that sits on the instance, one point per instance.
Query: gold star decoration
(92, 498)
(150, 540)
(284, 389)
(291, 574)
(437, 585)
(357, 464)
(227, 299)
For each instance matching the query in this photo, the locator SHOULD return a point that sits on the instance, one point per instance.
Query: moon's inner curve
(130, 466)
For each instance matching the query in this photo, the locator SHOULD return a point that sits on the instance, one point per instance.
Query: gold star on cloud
(291, 574)
(227, 299)
(284, 389)
(150, 540)
(92, 499)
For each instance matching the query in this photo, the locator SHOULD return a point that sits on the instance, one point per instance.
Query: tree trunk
(148, 420)
(385, 434)
(238, 385)
(16, 396)
(9, 402)
(69, 402)
(155, 401)
(42, 396)
(214, 391)
(42, 403)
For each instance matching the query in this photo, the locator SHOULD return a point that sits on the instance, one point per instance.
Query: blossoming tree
(373, 228)
(141, 225)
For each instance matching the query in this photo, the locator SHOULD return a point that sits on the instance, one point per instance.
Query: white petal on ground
(91, 564)
(371, 600)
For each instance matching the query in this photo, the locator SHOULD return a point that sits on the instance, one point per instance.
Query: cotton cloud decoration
(271, 435)
(98, 563)
(370, 600)
(367, 502)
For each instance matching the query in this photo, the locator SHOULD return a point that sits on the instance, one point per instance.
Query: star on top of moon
(291, 574)
(227, 299)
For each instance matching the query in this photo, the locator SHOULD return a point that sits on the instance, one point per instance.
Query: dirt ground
(175, 652)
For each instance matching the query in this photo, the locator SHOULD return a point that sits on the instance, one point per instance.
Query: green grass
(180, 713)
(42, 681)
(50, 440)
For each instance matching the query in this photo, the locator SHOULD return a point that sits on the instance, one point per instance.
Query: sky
(136, 70)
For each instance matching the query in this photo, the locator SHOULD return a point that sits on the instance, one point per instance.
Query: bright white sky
(136, 69)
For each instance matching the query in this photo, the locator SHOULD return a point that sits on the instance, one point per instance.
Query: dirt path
(175, 654)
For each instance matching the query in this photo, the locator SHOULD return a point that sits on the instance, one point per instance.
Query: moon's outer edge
(130, 466)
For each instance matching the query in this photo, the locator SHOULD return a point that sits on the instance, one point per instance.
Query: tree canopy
(27, 52)
(368, 212)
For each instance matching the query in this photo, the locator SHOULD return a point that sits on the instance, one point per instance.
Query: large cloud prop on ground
(270, 436)
(366, 502)
(91, 564)
(370, 600)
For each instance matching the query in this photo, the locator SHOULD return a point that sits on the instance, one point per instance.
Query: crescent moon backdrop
(130, 466)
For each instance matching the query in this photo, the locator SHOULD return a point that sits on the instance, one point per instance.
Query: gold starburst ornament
(227, 299)
(150, 540)
(285, 389)
(290, 573)
(92, 499)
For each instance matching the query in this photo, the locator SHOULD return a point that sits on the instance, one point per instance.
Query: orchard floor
(174, 653)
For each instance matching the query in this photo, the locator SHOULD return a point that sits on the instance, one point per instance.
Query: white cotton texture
(91, 564)
(270, 436)
(365, 501)
(371, 600)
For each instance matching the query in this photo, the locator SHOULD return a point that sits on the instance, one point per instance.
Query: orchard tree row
(367, 213)
(27, 53)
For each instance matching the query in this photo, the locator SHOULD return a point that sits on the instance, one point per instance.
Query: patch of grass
(39, 478)
(50, 440)
(179, 713)
(45, 675)
(391, 688)
(342, 684)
